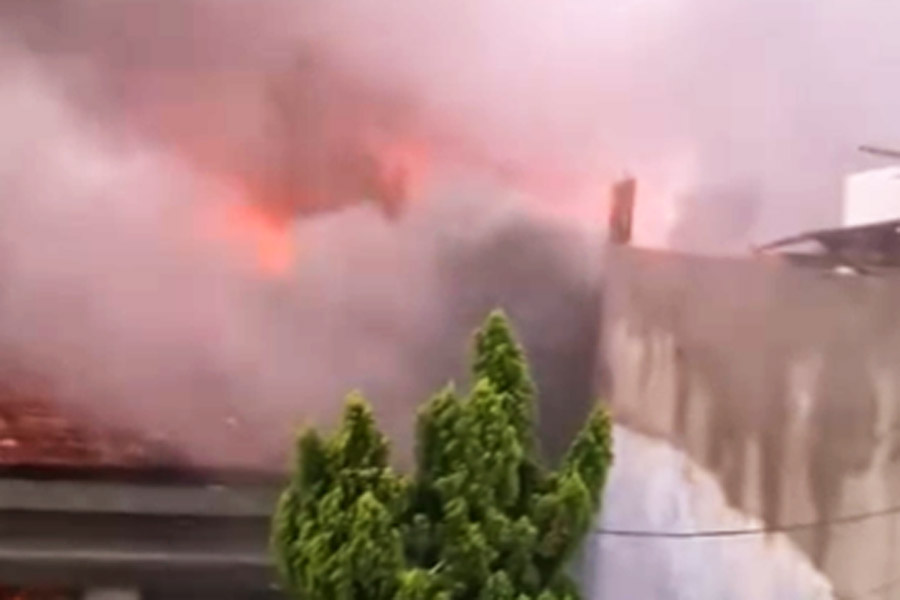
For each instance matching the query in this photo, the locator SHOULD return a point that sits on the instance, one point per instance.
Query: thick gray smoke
(122, 122)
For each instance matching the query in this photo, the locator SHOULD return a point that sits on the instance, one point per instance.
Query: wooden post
(621, 212)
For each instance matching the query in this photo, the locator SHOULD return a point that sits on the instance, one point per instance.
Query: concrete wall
(784, 382)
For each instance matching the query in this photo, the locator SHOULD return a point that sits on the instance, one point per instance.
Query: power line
(869, 594)
(719, 533)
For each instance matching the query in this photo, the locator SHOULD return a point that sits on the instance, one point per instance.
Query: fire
(249, 233)
(269, 240)
(253, 224)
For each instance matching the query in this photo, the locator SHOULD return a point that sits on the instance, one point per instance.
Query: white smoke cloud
(119, 119)
(112, 290)
(771, 97)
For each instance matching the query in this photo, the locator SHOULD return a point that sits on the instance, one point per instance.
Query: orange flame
(248, 232)
(268, 240)
(259, 233)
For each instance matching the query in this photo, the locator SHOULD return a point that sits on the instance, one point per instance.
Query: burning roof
(35, 432)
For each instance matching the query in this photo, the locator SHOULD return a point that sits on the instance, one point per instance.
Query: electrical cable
(725, 533)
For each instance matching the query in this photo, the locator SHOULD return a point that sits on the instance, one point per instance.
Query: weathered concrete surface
(784, 382)
(654, 487)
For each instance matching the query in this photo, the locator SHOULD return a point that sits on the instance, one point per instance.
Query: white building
(871, 196)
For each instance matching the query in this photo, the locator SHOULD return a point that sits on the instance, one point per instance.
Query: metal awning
(860, 247)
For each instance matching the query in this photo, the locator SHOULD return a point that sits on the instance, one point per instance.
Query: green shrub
(482, 520)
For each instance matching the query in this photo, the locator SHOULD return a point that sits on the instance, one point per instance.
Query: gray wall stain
(705, 353)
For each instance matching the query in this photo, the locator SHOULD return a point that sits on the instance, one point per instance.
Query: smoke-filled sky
(137, 134)
(741, 116)
(762, 104)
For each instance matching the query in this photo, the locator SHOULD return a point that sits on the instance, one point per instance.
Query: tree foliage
(335, 532)
(482, 519)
